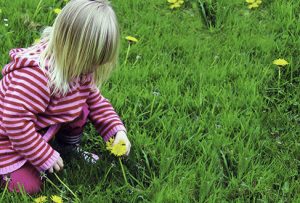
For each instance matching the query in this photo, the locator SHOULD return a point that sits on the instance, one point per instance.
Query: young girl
(51, 89)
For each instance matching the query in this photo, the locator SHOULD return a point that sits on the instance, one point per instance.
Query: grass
(206, 115)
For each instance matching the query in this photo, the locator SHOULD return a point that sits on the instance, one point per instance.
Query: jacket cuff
(114, 131)
(50, 162)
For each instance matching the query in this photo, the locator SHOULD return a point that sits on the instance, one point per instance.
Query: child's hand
(57, 166)
(121, 135)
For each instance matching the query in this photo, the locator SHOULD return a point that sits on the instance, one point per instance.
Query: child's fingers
(127, 153)
(128, 146)
(60, 162)
(56, 167)
(50, 170)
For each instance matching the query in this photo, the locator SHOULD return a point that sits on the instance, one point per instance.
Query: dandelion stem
(279, 77)
(66, 186)
(127, 53)
(49, 181)
(123, 171)
(5, 189)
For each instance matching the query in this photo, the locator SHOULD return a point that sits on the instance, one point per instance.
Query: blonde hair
(84, 39)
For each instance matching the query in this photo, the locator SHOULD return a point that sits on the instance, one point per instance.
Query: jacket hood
(24, 57)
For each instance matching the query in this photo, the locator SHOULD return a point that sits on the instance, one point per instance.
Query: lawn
(209, 116)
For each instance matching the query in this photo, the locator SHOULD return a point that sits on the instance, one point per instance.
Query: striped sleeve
(27, 96)
(103, 116)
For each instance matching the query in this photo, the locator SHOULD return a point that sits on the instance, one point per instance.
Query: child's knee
(26, 178)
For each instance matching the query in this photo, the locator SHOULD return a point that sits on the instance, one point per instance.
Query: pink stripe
(9, 160)
(1, 89)
(20, 108)
(31, 142)
(27, 140)
(25, 101)
(38, 74)
(100, 104)
(95, 113)
(36, 150)
(25, 98)
(63, 106)
(50, 161)
(104, 116)
(41, 152)
(16, 119)
(110, 122)
(5, 82)
(97, 99)
(107, 110)
(94, 97)
(34, 85)
(24, 129)
(13, 167)
(27, 63)
(72, 96)
(106, 130)
(106, 120)
(17, 124)
(61, 119)
(19, 62)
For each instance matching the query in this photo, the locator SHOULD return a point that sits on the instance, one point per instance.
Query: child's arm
(103, 116)
(26, 96)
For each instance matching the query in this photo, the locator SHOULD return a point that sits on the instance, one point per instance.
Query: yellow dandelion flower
(131, 39)
(56, 199)
(36, 41)
(176, 5)
(57, 10)
(41, 199)
(109, 144)
(280, 62)
(254, 5)
(118, 149)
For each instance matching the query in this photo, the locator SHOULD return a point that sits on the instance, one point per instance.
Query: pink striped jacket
(27, 107)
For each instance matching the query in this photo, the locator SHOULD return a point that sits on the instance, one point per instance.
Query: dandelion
(118, 149)
(253, 3)
(57, 10)
(131, 39)
(280, 62)
(40, 199)
(56, 199)
(175, 3)
(36, 41)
